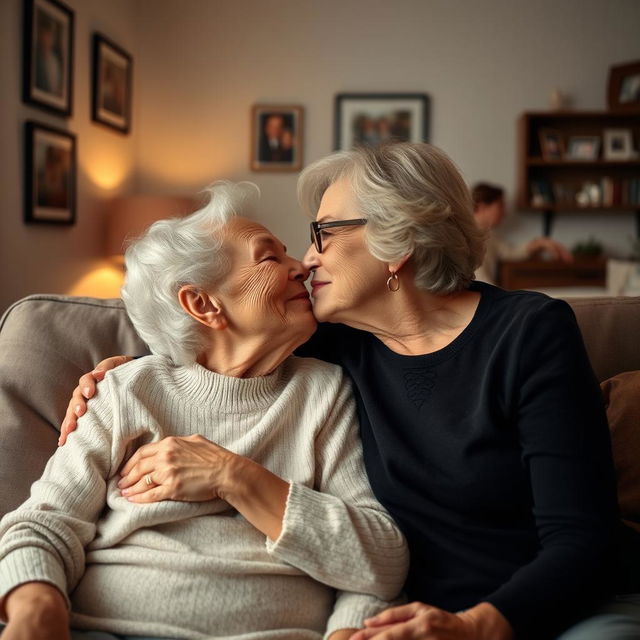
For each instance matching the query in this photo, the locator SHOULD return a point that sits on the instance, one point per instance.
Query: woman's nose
(310, 259)
(298, 271)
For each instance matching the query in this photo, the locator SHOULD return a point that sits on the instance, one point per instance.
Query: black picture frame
(283, 149)
(50, 175)
(112, 74)
(47, 72)
(372, 118)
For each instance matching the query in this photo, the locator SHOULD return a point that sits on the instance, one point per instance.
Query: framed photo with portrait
(112, 84)
(551, 144)
(50, 175)
(276, 137)
(624, 87)
(47, 77)
(375, 118)
(618, 144)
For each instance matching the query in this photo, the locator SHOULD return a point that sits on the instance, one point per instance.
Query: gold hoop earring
(393, 283)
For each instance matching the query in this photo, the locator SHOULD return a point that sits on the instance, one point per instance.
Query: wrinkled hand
(84, 391)
(416, 621)
(187, 468)
(419, 621)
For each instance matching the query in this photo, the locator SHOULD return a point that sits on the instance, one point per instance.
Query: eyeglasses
(317, 227)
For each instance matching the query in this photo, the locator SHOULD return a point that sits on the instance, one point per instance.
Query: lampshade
(129, 216)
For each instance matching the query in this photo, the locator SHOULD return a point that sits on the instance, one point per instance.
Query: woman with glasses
(482, 423)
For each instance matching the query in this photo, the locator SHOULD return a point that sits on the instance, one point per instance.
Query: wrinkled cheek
(349, 271)
(261, 296)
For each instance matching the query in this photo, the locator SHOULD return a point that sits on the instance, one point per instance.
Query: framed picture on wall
(50, 175)
(112, 84)
(276, 137)
(374, 118)
(624, 87)
(47, 76)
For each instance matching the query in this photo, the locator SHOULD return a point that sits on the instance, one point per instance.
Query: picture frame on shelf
(551, 144)
(111, 84)
(618, 144)
(47, 74)
(276, 137)
(623, 92)
(583, 148)
(50, 175)
(374, 118)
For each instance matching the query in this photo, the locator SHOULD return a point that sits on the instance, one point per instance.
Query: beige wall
(48, 258)
(201, 64)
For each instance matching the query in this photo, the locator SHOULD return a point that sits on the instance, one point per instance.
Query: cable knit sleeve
(44, 539)
(337, 532)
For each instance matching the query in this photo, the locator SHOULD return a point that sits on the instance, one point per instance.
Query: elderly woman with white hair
(483, 426)
(278, 535)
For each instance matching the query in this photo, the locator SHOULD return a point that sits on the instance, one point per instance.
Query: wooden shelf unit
(559, 179)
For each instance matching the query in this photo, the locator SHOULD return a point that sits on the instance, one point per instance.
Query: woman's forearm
(34, 599)
(259, 495)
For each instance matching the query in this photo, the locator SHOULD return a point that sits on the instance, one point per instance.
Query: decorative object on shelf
(374, 118)
(624, 86)
(590, 248)
(128, 216)
(47, 75)
(552, 187)
(583, 148)
(618, 144)
(112, 84)
(276, 137)
(551, 144)
(559, 100)
(50, 175)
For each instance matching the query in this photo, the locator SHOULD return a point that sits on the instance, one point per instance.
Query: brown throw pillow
(622, 398)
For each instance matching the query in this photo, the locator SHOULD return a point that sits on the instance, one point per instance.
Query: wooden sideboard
(542, 274)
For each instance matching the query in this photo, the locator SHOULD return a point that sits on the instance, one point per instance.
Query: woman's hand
(419, 621)
(189, 468)
(194, 469)
(86, 389)
(36, 611)
(557, 250)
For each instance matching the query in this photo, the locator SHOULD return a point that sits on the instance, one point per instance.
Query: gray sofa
(48, 341)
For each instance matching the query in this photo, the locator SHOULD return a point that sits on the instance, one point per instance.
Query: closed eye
(270, 258)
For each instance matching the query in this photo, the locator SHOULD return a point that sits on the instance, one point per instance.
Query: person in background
(489, 212)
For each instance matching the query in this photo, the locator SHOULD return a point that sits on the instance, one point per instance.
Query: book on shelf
(603, 193)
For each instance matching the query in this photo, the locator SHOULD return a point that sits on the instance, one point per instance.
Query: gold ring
(148, 480)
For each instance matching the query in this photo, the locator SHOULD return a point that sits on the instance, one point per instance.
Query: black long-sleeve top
(493, 455)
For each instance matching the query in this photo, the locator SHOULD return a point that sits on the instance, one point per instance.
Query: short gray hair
(177, 252)
(416, 203)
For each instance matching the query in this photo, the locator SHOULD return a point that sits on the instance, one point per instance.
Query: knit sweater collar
(229, 394)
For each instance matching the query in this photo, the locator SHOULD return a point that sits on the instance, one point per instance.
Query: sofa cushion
(622, 398)
(46, 343)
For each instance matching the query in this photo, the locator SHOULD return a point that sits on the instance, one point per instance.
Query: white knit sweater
(194, 570)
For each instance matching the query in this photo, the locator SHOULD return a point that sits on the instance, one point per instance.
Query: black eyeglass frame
(317, 227)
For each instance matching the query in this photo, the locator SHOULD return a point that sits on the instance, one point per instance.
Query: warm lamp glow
(103, 281)
(108, 169)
